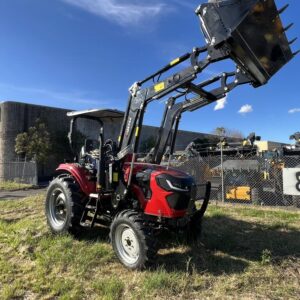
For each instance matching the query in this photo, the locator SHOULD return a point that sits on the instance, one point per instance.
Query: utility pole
(222, 172)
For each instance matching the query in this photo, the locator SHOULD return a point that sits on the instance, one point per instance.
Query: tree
(235, 133)
(227, 132)
(219, 131)
(35, 143)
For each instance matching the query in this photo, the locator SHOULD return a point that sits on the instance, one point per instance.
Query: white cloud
(221, 104)
(294, 110)
(122, 12)
(245, 109)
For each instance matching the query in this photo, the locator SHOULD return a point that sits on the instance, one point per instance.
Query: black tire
(64, 205)
(132, 240)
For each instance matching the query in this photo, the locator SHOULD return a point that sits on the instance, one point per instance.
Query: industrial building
(264, 146)
(16, 117)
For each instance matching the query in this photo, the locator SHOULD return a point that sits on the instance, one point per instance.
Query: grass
(13, 186)
(246, 253)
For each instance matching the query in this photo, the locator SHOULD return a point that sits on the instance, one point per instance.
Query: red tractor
(108, 185)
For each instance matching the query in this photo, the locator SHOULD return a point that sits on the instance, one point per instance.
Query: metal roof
(97, 113)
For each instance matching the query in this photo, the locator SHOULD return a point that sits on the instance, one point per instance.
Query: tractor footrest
(87, 221)
(90, 207)
(86, 225)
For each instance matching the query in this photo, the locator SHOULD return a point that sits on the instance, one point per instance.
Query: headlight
(177, 186)
(174, 184)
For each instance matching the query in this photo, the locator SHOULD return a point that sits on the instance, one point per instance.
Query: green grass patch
(109, 288)
(13, 186)
(245, 253)
(162, 280)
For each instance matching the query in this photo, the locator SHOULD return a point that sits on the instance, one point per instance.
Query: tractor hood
(250, 32)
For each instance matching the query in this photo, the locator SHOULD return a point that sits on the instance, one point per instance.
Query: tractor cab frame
(92, 151)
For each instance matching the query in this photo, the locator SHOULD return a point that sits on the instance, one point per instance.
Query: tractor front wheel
(132, 240)
(64, 205)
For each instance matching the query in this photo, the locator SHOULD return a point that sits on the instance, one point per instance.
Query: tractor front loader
(107, 185)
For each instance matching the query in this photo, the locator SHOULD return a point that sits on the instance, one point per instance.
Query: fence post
(36, 180)
(23, 171)
(222, 173)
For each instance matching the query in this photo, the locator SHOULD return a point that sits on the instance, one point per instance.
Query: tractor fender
(80, 175)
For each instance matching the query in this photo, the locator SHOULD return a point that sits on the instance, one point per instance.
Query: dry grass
(247, 253)
(13, 186)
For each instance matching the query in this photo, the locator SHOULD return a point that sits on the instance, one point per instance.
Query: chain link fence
(19, 172)
(256, 180)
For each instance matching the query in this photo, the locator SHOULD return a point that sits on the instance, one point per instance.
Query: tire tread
(74, 198)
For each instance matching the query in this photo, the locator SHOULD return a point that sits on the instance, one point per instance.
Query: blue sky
(81, 54)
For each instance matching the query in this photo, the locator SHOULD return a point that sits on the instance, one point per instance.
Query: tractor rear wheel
(132, 240)
(64, 205)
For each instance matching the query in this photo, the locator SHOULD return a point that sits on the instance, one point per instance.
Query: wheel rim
(58, 208)
(127, 244)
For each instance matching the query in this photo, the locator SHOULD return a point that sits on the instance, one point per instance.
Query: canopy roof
(97, 113)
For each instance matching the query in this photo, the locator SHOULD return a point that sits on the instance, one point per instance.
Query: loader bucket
(250, 31)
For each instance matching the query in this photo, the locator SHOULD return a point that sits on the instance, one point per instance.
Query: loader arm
(173, 111)
(140, 97)
(258, 53)
(249, 32)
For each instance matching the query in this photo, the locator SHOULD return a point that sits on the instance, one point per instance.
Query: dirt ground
(13, 195)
